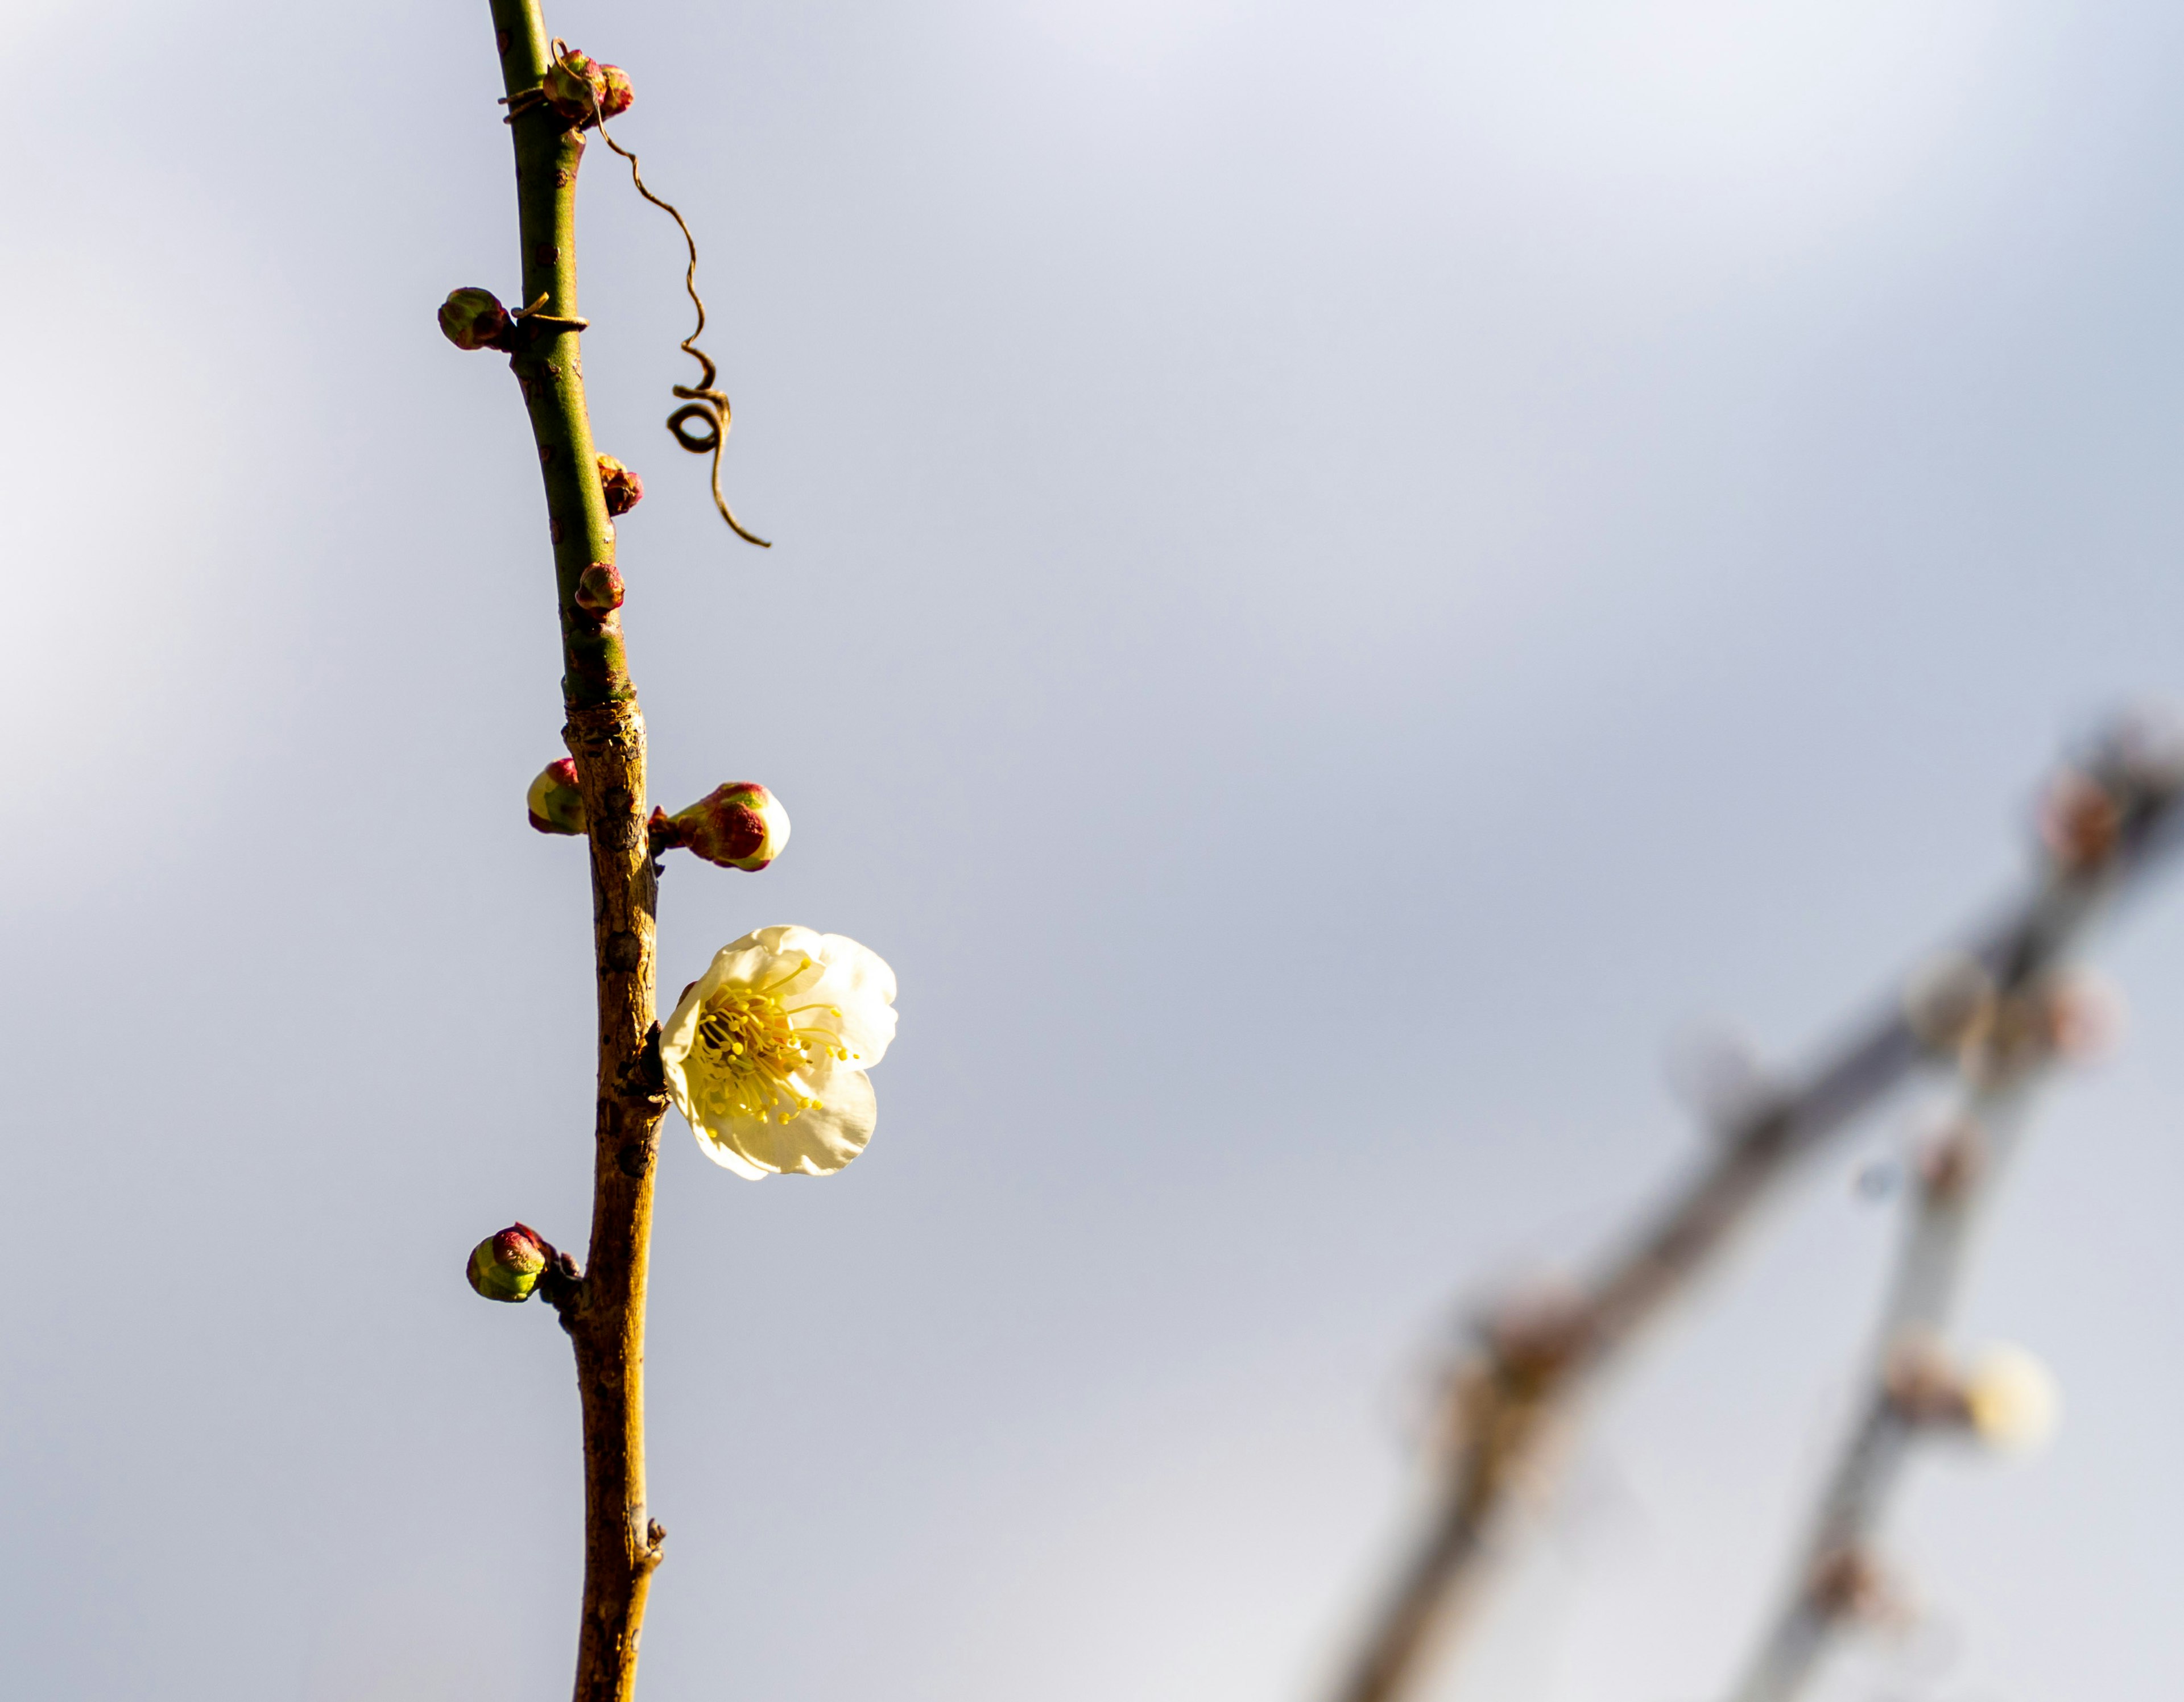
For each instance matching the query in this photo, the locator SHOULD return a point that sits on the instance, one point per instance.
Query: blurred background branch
(1915, 1387)
(2008, 1028)
(2106, 823)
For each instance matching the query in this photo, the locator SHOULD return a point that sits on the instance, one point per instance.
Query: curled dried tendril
(701, 424)
(536, 314)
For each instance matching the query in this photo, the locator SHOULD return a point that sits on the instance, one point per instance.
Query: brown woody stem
(606, 735)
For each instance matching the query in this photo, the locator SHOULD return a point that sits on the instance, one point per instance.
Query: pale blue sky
(1345, 574)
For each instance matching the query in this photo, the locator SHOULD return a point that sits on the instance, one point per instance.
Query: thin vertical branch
(603, 1310)
(1532, 1360)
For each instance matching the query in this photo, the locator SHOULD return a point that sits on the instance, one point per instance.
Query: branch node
(561, 1286)
(1849, 1585)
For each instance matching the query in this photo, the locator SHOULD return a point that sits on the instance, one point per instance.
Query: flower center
(757, 1048)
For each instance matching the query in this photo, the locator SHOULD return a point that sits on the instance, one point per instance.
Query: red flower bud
(739, 825)
(557, 806)
(507, 1266)
(2080, 1015)
(621, 95)
(2080, 822)
(624, 489)
(599, 592)
(580, 88)
(474, 318)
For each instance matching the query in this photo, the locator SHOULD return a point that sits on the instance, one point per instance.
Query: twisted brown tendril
(536, 314)
(703, 402)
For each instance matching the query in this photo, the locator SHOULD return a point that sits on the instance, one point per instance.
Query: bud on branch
(580, 89)
(507, 1266)
(599, 590)
(474, 318)
(624, 489)
(738, 826)
(557, 806)
(2008, 1399)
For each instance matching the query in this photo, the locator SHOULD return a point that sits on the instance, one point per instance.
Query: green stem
(550, 368)
(606, 735)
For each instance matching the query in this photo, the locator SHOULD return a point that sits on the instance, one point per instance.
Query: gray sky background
(1345, 573)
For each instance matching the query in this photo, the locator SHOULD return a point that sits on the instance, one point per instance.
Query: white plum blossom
(766, 1052)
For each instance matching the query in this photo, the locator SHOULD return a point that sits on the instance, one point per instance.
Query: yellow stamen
(757, 1049)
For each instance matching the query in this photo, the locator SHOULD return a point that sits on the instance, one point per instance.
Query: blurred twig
(1837, 1581)
(2007, 1031)
(1534, 1355)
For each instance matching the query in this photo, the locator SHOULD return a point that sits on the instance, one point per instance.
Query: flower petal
(676, 1036)
(727, 1157)
(782, 942)
(859, 985)
(816, 1142)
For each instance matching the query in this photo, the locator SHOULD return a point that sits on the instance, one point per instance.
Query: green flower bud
(557, 806)
(624, 489)
(738, 826)
(507, 1266)
(475, 319)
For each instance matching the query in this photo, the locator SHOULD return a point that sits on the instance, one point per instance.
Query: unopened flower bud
(570, 83)
(474, 318)
(2081, 1015)
(2080, 822)
(598, 591)
(624, 489)
(1952, 1162)
(2011, 1400)
(507, 1266)
(1922, 1386)
(621, 94)
(738, 826)
(557, 806)
(580, 88)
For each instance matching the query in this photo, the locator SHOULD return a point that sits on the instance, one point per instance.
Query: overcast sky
(1346, 573)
